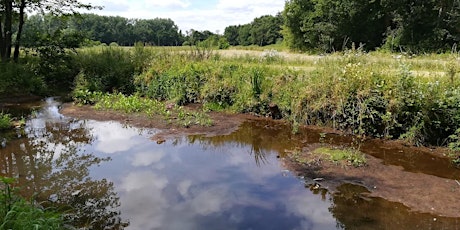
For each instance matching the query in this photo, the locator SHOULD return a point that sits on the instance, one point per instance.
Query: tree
(195, 36)
(231, 34)
(12, 13)
(411, 25)
(329, 25)
(296, 13)
(261, 31)
(426, 25)
(244, 35)
(265, 30)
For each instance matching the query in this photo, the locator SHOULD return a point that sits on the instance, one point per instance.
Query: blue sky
(213, 15)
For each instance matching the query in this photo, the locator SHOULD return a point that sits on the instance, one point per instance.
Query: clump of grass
(136, 104)
(454, 147)
(6, 121)
(349, 156)
(18, 213)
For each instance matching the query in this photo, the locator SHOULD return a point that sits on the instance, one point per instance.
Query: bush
(105, 69)
(16, 78)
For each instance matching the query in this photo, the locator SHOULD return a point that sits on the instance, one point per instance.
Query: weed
(5, 121)
(152, 107)
(17, 213)
(366, 94)
(350, 156)
(454, 147)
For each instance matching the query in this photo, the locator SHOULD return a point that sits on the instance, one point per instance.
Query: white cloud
(112, 137)
(183, 187)
(316, 214)
(147, 158)
(254, 5)
(210, 201)
(144, 199)
(141, 180)
(167, 4)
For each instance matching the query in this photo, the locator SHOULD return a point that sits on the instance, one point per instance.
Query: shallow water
(116, 176)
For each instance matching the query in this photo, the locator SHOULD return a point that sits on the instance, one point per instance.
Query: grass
(18, 213)
(378, 94)
(346, 156)
(150, 107)
(6, 122)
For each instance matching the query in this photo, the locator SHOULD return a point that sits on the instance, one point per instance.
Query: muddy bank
(418, 191)
(223, 123)
(388, 174)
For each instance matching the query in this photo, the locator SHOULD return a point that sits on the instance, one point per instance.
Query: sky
(212, 15)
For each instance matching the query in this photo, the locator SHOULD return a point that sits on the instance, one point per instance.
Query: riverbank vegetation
(6, 121)
(375, 94)
(408, 95)
(346, 156)
(18, 213)
(170, 112)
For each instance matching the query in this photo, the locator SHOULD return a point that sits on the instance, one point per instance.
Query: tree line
(321, 25)
(261, 31)
(397, 25)
(104, 29)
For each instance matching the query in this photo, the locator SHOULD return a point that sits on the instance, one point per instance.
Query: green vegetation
(151, 107)
(377, 94)
(262, 31)
(6, 121)
(397, 25)
(367, 94)
(17, 213)
(349, 156)
(454, 147)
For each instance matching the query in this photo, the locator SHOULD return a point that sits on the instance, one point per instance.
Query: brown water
(114, 176)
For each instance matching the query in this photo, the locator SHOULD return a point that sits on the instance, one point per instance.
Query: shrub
(18, 78)
(106, 69)
(5, 121)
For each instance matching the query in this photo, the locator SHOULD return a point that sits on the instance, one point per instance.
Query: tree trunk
(17, 44)
(2, 41)
(7, 32)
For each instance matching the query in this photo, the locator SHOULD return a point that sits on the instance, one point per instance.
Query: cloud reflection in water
(186, 185)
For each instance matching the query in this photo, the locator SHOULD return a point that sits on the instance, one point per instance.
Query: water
(115, 176)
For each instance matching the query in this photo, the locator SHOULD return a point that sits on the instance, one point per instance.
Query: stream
(114, 176)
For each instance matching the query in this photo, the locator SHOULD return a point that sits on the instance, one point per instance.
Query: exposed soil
(418, 191)
(223, 123)
(427, 193)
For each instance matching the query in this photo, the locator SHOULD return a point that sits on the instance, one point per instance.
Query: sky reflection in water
(184, 185)
(105, 170)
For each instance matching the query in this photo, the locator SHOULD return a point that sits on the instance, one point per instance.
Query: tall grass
(367, 94)
(18, 213)
(105, 69)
